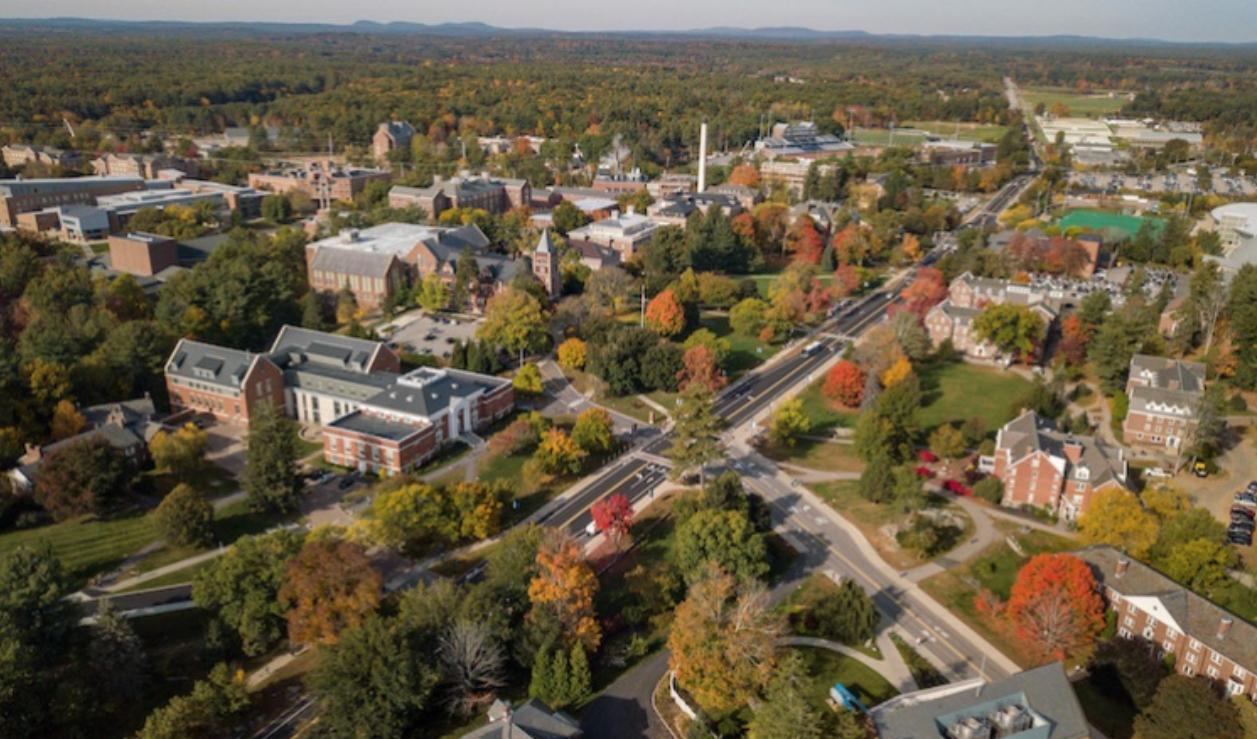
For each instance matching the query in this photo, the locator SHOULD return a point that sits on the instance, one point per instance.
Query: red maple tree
(1074, 337)
(805, 241)
(845, 384)
(926, 291)
(665, 314)
(1055, 603)
(846, 280)
(701, 368)
(613, 515)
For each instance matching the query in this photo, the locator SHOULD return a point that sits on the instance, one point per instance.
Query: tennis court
(1099, 220)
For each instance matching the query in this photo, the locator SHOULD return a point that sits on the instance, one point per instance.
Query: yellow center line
(877, 586)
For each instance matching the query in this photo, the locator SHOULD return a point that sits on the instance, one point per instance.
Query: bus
(813, 349)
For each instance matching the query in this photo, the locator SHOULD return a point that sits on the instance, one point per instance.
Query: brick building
(405, 424)
(1205, 638)
(146, 166)
(319, 181)
(1046, 468)
(676, 210)
(329, 375)
(1165, 395)
(230, 384)
(375, 278)
(19, 155)
(27, 196)
(142, 254)
(487, 193)
(391, 136)
(967, 296)
(619, 184)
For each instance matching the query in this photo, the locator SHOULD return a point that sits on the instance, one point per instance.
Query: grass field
(1080, 106)
(871, 518)
(882, 137)
(745, 352)
(1099, 220)
(823, 414)
(805, 597)
(827, 668)
(88, 545)
(995, 569)
(816, 455)
(960, 391)
(963, 131)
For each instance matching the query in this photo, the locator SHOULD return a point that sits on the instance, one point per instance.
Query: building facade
(1206, 639)
(391, 136)
(1165, 395)
(1051, 470)
(19, 155)
(483, 192)
(967, 295)
(142, 254)
(320, 181)
(146, 166)
(26, 196)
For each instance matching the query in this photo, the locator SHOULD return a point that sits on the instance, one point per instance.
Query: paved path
(984, 534)
(561, 391)
(892, 667)
(140, 579)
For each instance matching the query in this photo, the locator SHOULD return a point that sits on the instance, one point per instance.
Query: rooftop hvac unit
(1012, 719)
(973, 727)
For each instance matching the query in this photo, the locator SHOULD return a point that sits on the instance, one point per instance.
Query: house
(625, 233)
(1205, 638)
(404, 424)
(483, 192)
(1034, 704)
(1052, 470)
(967, 295)
(391, 136)
(127, 425)
(532, 720)
(1165, 396)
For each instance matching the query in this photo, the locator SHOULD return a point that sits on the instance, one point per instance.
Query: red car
(927, 456)
(958, 488)
(925, 472)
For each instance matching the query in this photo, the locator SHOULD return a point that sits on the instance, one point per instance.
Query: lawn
(995, 569)
(764, 281)
(882, 137)
(1080, 106)
(88, 544)
(814, 454)
(804, 598)
(827, 668)
(962, 131)
(745, 352)
(629, 405)
(872, 518)
(958, 391)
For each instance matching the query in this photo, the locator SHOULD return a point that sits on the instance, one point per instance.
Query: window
(1188, 671)
(1169, 646)
(1215, 658)
(1129, 621)
(1149, 634)
(1194, 644)
(1130, 607)
(1213, 672)
(1191, 658)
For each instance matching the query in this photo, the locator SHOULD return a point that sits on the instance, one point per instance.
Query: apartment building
(1165, 396)
(27, 196)
(407, 422)
(967, 296)
(481, 191)
(1048, 469)
(1206, 639)
(391, 136)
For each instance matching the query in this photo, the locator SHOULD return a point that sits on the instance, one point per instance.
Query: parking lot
(1185, 183)
(425, 334)
(1071, 292)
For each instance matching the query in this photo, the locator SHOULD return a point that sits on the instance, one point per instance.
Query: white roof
(387, 238)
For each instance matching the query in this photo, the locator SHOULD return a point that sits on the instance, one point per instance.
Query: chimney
(1224, 627)
(34, 452)
(1122, 564)
(702, 157)
(1073, 450)
(632, 209)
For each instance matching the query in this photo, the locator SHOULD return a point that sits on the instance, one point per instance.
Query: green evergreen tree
(270, 473)
(580, 679)
(542, 683)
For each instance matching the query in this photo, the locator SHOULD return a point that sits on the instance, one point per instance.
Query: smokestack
(702, 157)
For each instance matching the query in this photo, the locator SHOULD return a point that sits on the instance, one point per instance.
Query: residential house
(1165, 396)
(127, 425)
(1034, 704)
(967, 296)
(532, 720)
(626, 233)
(1205, 638)
(408, 421)
(1052, 470)
(484, 192)
(391, 136)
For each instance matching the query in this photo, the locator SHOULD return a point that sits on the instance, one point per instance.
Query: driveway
(623, 711)
(1238, 467)
(226, 447)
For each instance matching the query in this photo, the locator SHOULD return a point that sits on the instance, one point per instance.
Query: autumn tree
(897, 372)
(346, 305)
(185, 518)
(242, 586)
(563, 590)
(844, 384)
(1054, 603)
(665, 315)
(209, 710)
(572, 354)
(594, 432)
(558, 453)
(926, 291)
(330, 587)
(1014, 330)
(1074, 337)
(701, 368)
(805, 242)
(746, 175)
(180, 454)
(948, 442)
(66, 421)
(723, 641)
(433, 293)
(82, 477)
(724, 537)
(846, 281)
(1116, 517)
(789, 423)
(528, 380)
(748, 317)
(514, 322)
(613, 515)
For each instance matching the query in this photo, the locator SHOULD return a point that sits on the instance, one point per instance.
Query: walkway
(561, 391)
(891, 666)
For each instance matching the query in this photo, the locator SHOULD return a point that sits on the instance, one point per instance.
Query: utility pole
(642, 323)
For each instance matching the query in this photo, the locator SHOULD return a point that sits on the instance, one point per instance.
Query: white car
(1156, 472)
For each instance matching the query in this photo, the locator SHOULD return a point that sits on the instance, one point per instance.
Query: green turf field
(962, 131)
(881, 137)
(1099, 220)
(1080, 106)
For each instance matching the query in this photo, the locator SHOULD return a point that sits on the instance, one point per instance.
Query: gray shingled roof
(305, 345)
(1162, 402)
(532, 720)
(426, 392)
(1044, 690)
(351, 261)
(1030, 432)
(1198, 616)
(216, 365)
(1168, 374)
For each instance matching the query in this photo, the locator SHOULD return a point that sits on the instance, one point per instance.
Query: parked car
(1248, 500)
(956, 487)
(1242, 511)
(1252, 488)
(1200, 469)
(347, 482)
(1243, 538)
(1156, 472)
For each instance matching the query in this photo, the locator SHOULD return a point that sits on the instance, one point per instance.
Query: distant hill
(482, 30)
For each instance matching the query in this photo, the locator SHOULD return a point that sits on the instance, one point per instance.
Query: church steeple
(545, 265)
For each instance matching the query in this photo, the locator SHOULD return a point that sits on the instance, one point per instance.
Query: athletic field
(1099, 220)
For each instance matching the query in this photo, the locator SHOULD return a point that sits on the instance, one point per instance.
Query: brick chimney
(1224, 627)
(1073, 450)
(1122, 565)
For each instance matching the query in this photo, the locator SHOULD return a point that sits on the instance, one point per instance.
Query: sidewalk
(892, 667)
(182, 564)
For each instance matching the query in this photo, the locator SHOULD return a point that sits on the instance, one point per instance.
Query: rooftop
(217, 365)
(376, 426)
(1098, 463)
(401, 238)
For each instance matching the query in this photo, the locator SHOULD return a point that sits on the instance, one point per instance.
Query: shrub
(991, 490)
(1237, 403)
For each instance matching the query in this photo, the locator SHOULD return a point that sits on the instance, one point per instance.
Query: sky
(1173, 20)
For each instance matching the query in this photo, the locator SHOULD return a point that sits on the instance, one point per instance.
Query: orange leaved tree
(564, 589)
(845, 384)
(331, 586)
(1055, 603)
(665, 315)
